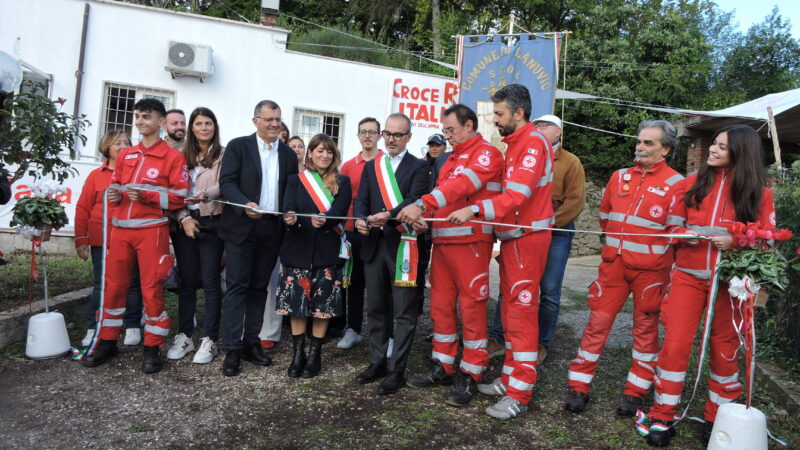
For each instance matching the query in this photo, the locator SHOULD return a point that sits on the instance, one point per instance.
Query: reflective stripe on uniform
(673, 179)
(525, 356)
(544, 223)
(132, 223)
(487, 229)
(452, 231)
(440, 200)
(636, 247)
(493, 186)
(158, 331)
(476, 181)
(639, 381)
(677, 377)
(507, 370)
(509, 234)
(520, 188)
(667, 399)
(588, 356)
(163, 200)
(472, 368)
(114, 311)
(580, 377)
(161, 316)
(519, 384)
(724, 380)
(447, 359)
(480, 343)
(718, 399)
(112, 322)
(709, 230)
(676, 220)
(445, 337)
(648, 357)
(701, 274)
(508, 345)
(603, 216)
(488, 210)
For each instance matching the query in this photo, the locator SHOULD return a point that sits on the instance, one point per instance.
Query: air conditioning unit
(191, 60)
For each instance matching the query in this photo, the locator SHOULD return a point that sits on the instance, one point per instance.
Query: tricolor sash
(407, 252)
(323, 198)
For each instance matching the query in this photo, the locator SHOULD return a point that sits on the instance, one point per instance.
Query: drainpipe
(79, 72)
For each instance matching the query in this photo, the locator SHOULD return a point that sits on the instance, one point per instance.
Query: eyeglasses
(397, 136)
(449, 130)
(368, 132)
(269, 120)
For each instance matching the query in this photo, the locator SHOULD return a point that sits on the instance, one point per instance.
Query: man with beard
(175, 126)
(525, 200)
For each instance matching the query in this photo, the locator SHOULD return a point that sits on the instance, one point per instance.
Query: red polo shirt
(353, 168)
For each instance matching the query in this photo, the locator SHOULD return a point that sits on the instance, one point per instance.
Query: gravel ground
(60, 404)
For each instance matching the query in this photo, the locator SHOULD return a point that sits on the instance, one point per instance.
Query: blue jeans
(549, 289)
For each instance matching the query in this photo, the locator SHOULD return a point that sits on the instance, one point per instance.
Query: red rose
(798, 250)
(61, 101)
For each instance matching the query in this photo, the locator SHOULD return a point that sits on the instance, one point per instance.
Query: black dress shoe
(373, 372)
(230, 368)
(705, 435)
(256, 355)
(662, 434)
(392, 383)
(106, 349)
(152, 362)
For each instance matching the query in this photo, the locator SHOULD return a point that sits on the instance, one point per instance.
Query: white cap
(549, 118)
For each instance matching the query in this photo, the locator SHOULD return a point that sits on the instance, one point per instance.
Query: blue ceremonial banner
(487, 63)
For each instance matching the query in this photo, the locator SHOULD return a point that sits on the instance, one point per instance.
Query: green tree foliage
(767, 60)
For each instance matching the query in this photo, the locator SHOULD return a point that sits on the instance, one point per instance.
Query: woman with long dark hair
(312, 250)
(729, 188)
(198, 249)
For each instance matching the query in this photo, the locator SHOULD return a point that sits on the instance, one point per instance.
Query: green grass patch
(65, 273)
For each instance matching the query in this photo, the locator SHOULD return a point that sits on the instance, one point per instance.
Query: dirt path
(60, 404)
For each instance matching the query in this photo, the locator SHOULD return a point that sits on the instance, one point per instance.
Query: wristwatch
(476, 210)
(420, 204)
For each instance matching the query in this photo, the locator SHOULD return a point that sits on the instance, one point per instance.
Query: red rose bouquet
(753, 259)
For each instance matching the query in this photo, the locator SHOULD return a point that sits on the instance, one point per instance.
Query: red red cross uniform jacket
(636, 201)
(460, 260)
(139, 232)
(525, 200)
(687, 300)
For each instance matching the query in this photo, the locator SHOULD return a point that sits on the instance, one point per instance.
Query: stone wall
(585, 243)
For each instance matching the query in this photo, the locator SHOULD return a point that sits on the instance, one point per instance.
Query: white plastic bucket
(738, 427)
(47, 336)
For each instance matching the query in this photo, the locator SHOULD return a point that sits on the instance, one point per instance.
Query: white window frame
(140, 93)
(297, 124)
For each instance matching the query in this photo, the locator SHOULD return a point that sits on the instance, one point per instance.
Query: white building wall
(127, 44)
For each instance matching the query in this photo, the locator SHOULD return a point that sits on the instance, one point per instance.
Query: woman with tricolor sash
(314, 251)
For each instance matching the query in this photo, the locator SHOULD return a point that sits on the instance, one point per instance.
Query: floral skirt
(313, 292)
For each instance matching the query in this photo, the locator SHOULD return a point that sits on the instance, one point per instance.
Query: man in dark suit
(254, 172)
(380, 253)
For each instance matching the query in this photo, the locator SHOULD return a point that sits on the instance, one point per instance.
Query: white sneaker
(389, 348)
(350, 339)
(133, 336)
(207, 351)
(496, 387)
(506, 408)
(88, 338)
(180, 347)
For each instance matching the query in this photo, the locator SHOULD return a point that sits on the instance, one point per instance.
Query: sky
(749, 12)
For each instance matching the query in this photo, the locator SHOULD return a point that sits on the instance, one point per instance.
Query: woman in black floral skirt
(314, 251)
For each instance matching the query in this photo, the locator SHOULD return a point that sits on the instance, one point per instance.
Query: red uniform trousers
(681, 312)
(460, 273)
(150, 247)
(607, 295)
(522, 263)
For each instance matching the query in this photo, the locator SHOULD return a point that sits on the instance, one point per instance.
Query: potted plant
(39, 214)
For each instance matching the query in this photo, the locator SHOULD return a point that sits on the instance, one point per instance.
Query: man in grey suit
(254, 172)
